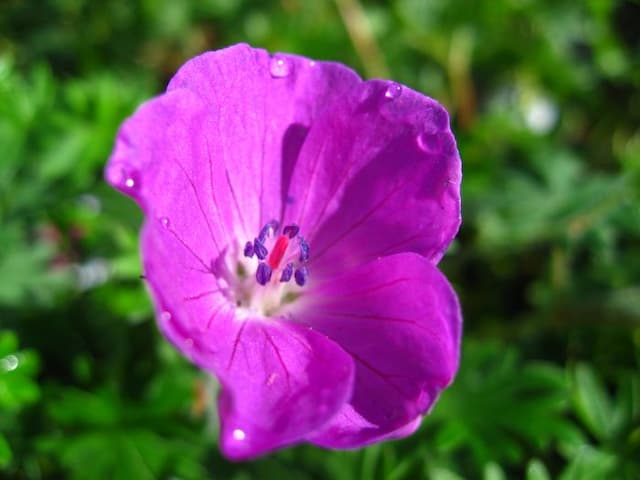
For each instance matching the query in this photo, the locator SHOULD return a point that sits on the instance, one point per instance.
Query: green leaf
(5, 453)
(589, 463)
(510, 402)
(537, 471)
(8, 342)
(17, 388)
(441, 473)
(81, 408)
(492, 471)
(29, 268)
(591, 402)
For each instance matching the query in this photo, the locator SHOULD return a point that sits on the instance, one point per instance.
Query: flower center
(260, 280)
(271, 249)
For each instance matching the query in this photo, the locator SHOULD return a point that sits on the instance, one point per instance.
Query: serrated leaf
(510, 402)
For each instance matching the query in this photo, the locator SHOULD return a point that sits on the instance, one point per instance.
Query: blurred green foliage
(545, 101)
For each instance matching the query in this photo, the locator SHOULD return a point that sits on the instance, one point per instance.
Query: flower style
(294, 218)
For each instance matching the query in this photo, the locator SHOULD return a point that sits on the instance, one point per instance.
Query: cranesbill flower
(294, 215)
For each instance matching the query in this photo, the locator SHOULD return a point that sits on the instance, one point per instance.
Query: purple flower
(294, 218)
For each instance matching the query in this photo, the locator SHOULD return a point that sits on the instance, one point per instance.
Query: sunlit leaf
(537, 471)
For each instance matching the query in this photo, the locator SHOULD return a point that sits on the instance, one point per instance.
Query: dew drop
(166, 223)
(428, 142)
(394, 90)
(9, 363)
(312, 63)
(131, 179)
(165, 316)
(279, 67)
(541, 115)
(124, 177)
(271, 379)
(238, 434)
(188, 343)
(439, 118)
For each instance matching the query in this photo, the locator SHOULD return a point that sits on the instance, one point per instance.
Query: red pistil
(278, 251)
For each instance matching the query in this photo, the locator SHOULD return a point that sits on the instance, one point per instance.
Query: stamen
(248, 250)
(272, 226)
(301, 275)
(260, 250)
(287, 273)
(304, 250)
(291, 230)
(263, 273)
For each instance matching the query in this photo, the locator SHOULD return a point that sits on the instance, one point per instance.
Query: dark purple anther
(304, 250)
(287, 273)
(263, 273)
(301, 276)
(248, 250)
(270, 225)
(260, 250)
(291, 230)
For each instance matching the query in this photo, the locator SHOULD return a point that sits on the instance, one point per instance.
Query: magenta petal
(405, 430)
(164, 158)
(378, 174)
(264, 105)
(280, 381)
(227, 115)
(400, 320)
(283, 382)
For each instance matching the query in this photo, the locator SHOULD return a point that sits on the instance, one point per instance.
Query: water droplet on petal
(131, 179)
(439, 118)
(394, 90)
(188, 343)
(312, 63)
(165, 316)
(279, 66)
(428, 142)
(238, 434)
(124, 177)
(271, 379)
(166, 223)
